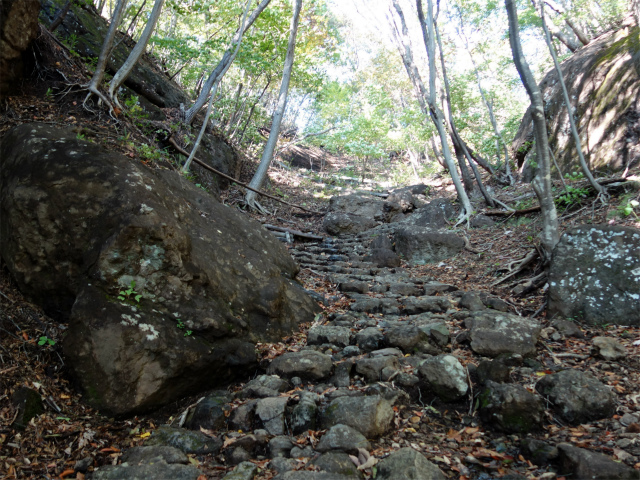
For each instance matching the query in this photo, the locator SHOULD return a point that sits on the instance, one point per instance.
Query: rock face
(81, 224)
(89, 29)
(595, 275)
(602, 80)
(18, 28)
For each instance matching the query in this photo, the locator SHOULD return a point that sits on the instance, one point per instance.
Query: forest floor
(69, 430)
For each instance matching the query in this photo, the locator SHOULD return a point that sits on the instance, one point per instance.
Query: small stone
(609, 348)
(344, 438)
(243, 471)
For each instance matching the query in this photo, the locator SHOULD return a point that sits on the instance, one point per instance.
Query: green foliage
(629, 208)
(46, 341)
(181, 326)
(571, 197)
(130, 293)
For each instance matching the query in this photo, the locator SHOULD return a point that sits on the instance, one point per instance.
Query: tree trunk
(253, 108)
(98, 74)
(261, 174)
(427, 100)
(136, 53)
(542, 181)
(60, 18)
(222, 66)
(576, 137)
(187, 164)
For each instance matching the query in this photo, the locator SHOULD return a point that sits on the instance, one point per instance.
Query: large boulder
(493, 333)
(18, 28)
(595, 275)
(421, 245)
(82, 226)
(602, 79)
(350, 214)
(88, 29)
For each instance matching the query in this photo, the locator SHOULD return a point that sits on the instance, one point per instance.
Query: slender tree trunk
(571, 44)
(427, 100)
(542, 181)
(60, 18)
(222, 66)
(98, 74)
(187, 164)
(253, 108)
(561, 10)
(267, 155)
(134, 20)
(136, 53)
(574, 130)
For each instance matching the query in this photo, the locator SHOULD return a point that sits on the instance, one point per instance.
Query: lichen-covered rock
(303, 415)
(445, 376)
(410, 339)
(577, 396)
(433, 215)
(510, 408)
(595, 275)
(340, 223)
(328, 334)
(187, 441)
(493, 333)
(81, 224)
(270, 412)
(378, 368)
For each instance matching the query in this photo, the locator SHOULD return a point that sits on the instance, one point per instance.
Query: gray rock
(353, 287)
(327, 334)
(381, 241)
(270, 412)
(432, 287)
(595, 275)
(304, 452)
(186, 440)
(445, 376)
(372, 416)
(282, 465)
(372, 368)
(150, 454)
(342, 374)
(306, 364)
(414, 305)
(539, 452)
(481, 221)
(237, 456)
(280, 446)
(309, 475)
(242, 417)
(405, 464)
(369, 339)
(609, 348)
(303, 415)
(494, 303)
(243, 471)
(210, 413)
(338, 463)
(158, 469)
(585, 464)
(510, 408)
(577, 396)
(493, 370)
(405, 289)
(433, 215)
(410, 339)
(438, 332)
(494, 333)
(264, 386)
(472, 301)
(116, 222)
(567, 328)
(343, 438)
(422, 245)
(383, 257)
(339, 223)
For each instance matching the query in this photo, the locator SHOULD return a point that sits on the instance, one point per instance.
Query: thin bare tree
(542, 181)
(267, 155)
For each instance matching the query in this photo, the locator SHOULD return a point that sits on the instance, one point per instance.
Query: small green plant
(72, 42)
(181, 326)
(44, 340)
(80, 136)
(49, 94)
(130, 293)
(572, 196)
(148, 153)
(629, 208)
(574, 176)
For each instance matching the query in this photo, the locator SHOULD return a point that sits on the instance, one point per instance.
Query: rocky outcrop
(88, 29)
(595, 275)
(18, 28)
(603, 81)
(166, 290)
